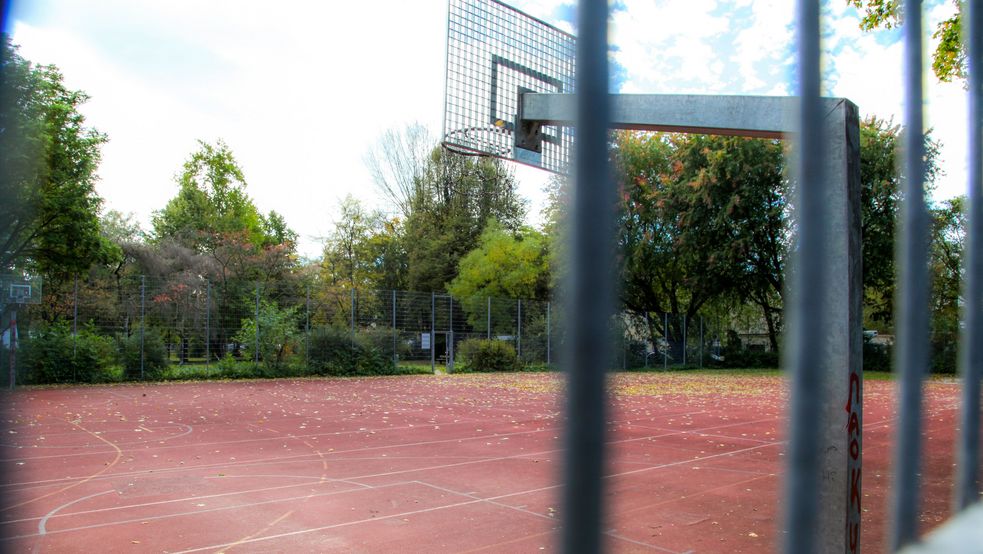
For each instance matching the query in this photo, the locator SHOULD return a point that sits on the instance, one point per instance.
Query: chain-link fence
(188, 326)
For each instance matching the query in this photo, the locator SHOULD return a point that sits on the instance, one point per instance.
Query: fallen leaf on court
(752, 534)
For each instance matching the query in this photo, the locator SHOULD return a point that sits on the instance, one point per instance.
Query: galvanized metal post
(665, 336)
(684, 318)
(648, 331)
(256, 349)
(433, 333)
(591, 287)
(701, 342)
(143, 319)
(967, 489)
(549, 335)
(208, 328)
(395, 355)
(13, 348)
(75, 318)
(450, 337)
(912, 347)
(307, 329)
(518, 335)
(353, 320)
(807, 324)
(488, 314)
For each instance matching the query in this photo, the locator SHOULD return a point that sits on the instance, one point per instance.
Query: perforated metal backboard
(18, 289)
(494, 54)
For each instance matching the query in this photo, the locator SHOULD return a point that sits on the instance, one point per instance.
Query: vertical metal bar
(256, 349)
(701, 342)
(395, 355)
(307, 329)
(13, 347)
(433, 334)
(353, 320)
(684, 339)
(488, 314)
(208, 326)
(518, 335)
(912, 301)
(591, 288)
(450, 337)
(804, 356)
(648, 329)
(967, 489)
(75, 318)
(143, 319)
(665, 336)
(549, 335)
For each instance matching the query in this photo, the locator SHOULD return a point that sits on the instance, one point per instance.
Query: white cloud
(301, 90)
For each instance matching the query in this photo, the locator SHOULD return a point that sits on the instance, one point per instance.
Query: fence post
(256, 350)
(549, 334)
(395, 356)
(433, 335)
(665, 335)
(353, 320)
(307, 329)
(75, 320)
(685, 344)
(450, 338)
(518, 335)
(208, 325)
(143, 318)
(488, 313)
(701, 342)
(13, 347)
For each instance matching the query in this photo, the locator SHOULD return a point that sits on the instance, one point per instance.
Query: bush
(278, 335)
(332, 352)
(486, 356)
(154, 353)
(52, 355)
(877, 357)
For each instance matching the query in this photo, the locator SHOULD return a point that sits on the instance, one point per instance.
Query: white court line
(455, 505)
(44, 521)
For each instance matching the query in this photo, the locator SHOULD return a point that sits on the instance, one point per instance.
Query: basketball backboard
(495, 53)
(18, 289)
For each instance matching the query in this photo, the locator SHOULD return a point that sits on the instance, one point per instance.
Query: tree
(347, 262)
(880, 198)
(701, 218)
(946, 266)
(398, 162)
(211, 202)
(949, 58)
(504, 264)
(451, 204)
(49, 209)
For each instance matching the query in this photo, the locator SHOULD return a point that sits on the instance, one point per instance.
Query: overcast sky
(301, 90)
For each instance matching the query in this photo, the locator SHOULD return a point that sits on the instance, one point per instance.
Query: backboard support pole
(838, 526)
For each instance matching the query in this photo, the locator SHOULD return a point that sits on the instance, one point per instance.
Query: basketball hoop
(488, 140)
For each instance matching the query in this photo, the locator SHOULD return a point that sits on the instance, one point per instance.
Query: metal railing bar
(805, 354)
(590, 289)
(911, 354)
(967, 490)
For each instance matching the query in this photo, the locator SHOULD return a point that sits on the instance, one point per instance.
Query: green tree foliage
(452, 202)
(700, 218)
(278, 334)
(949, 58)
(48, 160)
(946, 263)
(880, 198)
(504, 265)
(211, 202)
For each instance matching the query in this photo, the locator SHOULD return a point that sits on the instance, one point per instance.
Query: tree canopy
(949, 58)
(49, 208)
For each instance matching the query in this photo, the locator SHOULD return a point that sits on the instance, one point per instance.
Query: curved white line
(44, 521)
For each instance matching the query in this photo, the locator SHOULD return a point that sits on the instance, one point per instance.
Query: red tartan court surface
(462, 463)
